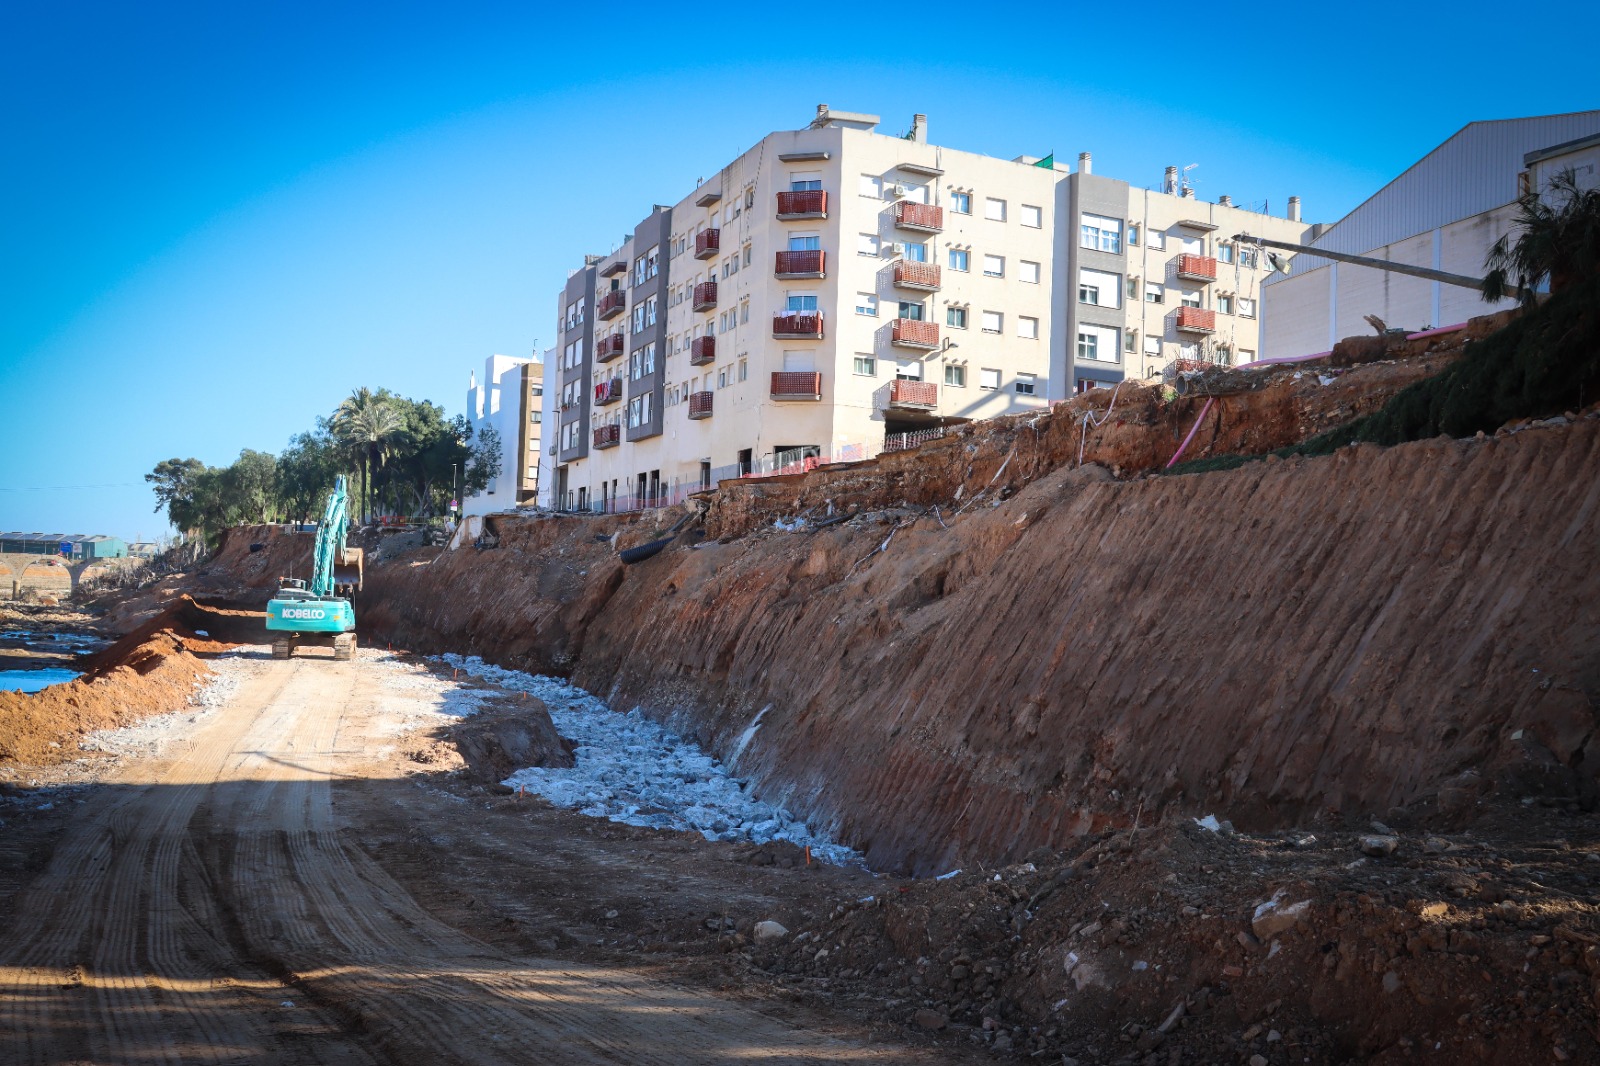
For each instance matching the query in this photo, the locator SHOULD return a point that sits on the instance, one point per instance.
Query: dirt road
(209, 907)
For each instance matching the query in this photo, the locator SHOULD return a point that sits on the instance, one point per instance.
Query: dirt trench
(1391, 632)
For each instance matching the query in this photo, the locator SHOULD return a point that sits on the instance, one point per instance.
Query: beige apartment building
(836, 291)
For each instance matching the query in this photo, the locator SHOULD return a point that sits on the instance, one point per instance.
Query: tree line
(402, 456)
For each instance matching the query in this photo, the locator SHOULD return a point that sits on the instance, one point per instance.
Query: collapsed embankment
(154, 669)
(1390, 631)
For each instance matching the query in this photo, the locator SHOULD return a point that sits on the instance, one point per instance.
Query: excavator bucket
(348, 566)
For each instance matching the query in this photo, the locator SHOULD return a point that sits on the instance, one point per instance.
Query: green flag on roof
(1048, 162)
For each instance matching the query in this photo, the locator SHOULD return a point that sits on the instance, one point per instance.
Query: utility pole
(1379, 264)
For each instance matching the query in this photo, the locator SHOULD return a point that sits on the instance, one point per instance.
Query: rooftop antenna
(1187, 186)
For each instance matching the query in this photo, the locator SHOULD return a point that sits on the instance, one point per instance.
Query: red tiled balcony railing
(796, 385)
(700, 405)
(608, 436)
(612, 304)
(925, 218)
(702, 350)
(609, 348)
(806, 325)
(1197, 267)
(909, 333)
(705, 296)
(910, 275)
(707, 243)
(811, 203)
(803, 264)
(608, 391)
(918, 394)
(1197, 320)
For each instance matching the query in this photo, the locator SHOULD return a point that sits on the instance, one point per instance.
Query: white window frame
(957, 372)
(869, 244)
(994, 266)
(1025, 384)
(867, 304)
(998, 318)
(1036, 213)
(871, 362)
(1029, 272)
(1027, 327)
(994, 209)
(966, 259)
(988, 379)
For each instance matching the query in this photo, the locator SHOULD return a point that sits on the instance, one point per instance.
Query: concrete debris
(1379, 845)
(769, 930)
(1273, 917)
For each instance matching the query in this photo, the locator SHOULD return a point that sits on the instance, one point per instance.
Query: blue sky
(219, 219)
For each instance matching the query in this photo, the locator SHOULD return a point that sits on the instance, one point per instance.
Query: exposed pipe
(1192, 430)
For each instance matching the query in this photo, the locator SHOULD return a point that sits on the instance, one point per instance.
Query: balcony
(707, 243)
(924, 218)
(705, 296)
(609, 348)
(909, 275)
(608, 436)
(1197, 267)
(796, 385)
(804, 264)
(702, 351)
(812, 203)
(910, 333)
(608, 392)
(612, 304)
(1196, 320)
(700, 405)
(797, 326)
(919, 395)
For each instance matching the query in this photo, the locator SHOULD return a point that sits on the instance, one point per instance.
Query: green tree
(174, 482)
(369, 423)
(306, 471)
(250, 487)
(1557, 238)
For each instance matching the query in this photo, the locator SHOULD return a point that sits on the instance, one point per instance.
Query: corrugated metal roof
(1472, 172)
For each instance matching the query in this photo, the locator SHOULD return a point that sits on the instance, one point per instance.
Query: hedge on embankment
(1542, 363)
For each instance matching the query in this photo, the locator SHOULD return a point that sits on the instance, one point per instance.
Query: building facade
(1445, 212)
(836, 291)
(510, 400)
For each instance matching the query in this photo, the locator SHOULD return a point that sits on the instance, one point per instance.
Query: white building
(508, 399)
(1444, 212)
(836, 290)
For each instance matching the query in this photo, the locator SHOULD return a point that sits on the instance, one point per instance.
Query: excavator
(321, 613)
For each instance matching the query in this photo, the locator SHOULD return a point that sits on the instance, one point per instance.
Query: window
(744, 369)
(748, 252)
(988, 379)
(867, 244)
(960, 259)
(1156, 239)
(638, 318)
(744, 310)
(1027, 328)
(866, 366)
(799, 361)
(1029, 272)
(1133, 288)
(1098, 288)
(1225, 304)
(1191, 245)
(805, 182)
(916, 253)
(917, 194)
(805, 242)
(801, 303)
(1247, 307)
(994, 266)
(1154, 294)
(1248, 258)
(911, 309)
(639, 268)
(650, 311)
(1152, 346)
(955, 376)
(1225, 253)
(993, 322)
(866, 303)
(1129, 342)
(1032, 217)
(1189, 299)
(1100, 233)
(722, 378)
(1024, 384)
(1246, 356)
(994, 209)
(961, 203)
(908, 370)
(1099, 343)
(955, 317)
(872, 185)
(1189, 350)
(1133, 235)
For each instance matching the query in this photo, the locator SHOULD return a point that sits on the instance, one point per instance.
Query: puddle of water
(34, 680)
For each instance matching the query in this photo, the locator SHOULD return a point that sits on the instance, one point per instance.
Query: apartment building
(510, 400)
(836, 291)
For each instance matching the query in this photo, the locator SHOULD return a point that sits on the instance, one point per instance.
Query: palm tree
(368, 423)
(1557, 238)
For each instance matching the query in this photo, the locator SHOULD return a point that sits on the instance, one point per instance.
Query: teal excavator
(321, 613)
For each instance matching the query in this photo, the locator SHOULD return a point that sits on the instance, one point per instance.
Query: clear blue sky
(221, 218)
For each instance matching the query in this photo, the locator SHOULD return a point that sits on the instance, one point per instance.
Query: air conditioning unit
(895, 248)
(901, 190)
